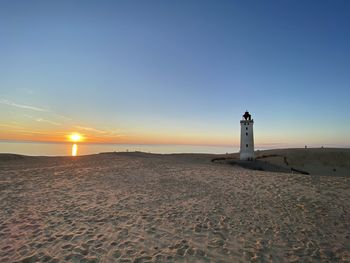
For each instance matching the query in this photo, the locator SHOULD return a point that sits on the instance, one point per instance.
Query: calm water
(58, 149)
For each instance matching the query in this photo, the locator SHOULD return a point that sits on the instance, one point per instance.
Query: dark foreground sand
(167, 208)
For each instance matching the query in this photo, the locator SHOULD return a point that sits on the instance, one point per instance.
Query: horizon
(27, 148)
(257, 146)
(175, 73)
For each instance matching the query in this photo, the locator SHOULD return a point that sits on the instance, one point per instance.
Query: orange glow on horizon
(135, 138)
(140, 137)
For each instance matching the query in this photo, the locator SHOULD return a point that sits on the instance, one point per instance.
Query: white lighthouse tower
(247, 138)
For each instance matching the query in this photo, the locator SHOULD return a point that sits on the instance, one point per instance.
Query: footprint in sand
(114, 243)
(68, 237)
(67, 247)
(117, 254)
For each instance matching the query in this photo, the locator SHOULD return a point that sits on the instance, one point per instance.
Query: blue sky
(178, 70)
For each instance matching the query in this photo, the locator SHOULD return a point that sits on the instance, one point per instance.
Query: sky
(175, 72)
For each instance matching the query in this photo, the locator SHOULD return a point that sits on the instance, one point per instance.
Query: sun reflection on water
(74, 149)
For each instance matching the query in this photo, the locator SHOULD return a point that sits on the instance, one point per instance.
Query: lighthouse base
(246, 156)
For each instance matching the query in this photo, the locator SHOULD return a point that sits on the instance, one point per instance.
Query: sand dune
(137, 207)
(320, 161)
(314, 161)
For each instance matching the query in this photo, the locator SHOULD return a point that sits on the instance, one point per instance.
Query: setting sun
(75, 137)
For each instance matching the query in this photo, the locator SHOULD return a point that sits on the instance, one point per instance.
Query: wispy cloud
(27, 107)
(34, 108)
(48, 121)
(115, 133)
(63, 117)
(43, 115)
(43, 120)
(90, 129)
(14, 126)
(104, 133)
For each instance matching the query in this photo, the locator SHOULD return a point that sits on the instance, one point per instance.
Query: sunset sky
(175, 72)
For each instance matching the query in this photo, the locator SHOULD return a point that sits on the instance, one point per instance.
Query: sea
(66, 149)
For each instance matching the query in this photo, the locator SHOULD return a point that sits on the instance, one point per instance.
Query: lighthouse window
(246, 128)
(246, 133)
(246, 145)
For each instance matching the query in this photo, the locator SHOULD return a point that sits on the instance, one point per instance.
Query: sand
(136, 207)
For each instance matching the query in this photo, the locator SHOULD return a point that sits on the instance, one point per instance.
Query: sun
(75, 137)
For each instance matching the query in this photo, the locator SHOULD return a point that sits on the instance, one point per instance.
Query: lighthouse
(247, 138)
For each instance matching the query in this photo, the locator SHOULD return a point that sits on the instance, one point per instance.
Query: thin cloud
(27, 107)
(63, 117)
(33, 108)
(43, 120)
(48, 121)
(23, 130)
(11, 126)
(105, 133)
(115, 133)
(90, 129)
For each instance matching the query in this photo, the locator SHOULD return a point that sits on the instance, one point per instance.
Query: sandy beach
(136, 207)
